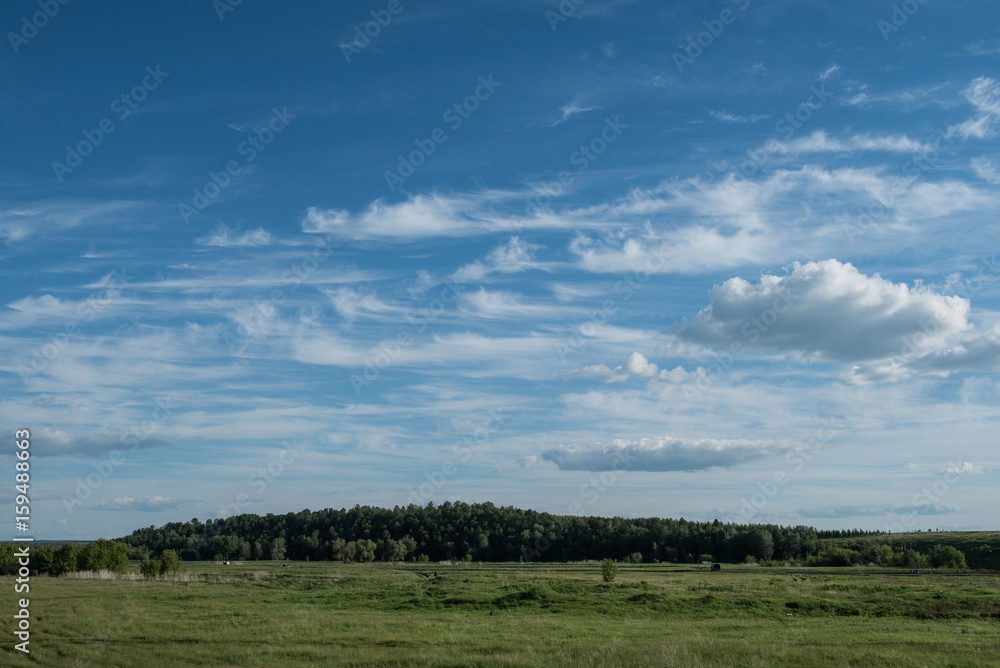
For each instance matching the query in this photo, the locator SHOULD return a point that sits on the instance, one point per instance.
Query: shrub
(150, 568)
(635, 558)
(609, 568)
(169, 562)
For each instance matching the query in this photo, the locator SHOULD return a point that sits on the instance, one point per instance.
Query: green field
(311, 614)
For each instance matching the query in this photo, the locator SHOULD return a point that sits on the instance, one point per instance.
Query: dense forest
(480, 532)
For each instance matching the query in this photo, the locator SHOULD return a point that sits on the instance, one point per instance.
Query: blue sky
(729, 260)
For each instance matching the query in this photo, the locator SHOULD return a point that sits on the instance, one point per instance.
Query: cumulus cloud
(527, 462)
(152, 504)
(635, 366)
(663, 454)
(827, 310)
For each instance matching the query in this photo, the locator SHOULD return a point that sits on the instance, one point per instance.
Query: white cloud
(512, 257)
(984, 94)
(825, 74)
(636, 366)
(727, 117)
(499, 305)
(152, 504)
(986, 170)
(353, 303)
(828, 310)
(662, 454)
(527, 462)
(569, 110)
(961, 468)
(820, 142)
(424, 216)
(22, 222)
(224, 236)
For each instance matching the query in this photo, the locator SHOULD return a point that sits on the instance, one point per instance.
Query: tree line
(474, 532)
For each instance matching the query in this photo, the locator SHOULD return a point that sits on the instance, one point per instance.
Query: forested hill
(479, 532)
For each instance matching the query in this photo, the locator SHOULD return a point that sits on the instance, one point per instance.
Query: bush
(635, 558)
(169, 562)
(705, 557)
(150, 568)
(609, 568)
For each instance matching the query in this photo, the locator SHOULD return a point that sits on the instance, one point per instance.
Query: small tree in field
(609, 568)
(150, 567)
(169, 562)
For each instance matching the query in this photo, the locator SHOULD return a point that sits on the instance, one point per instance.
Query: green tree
(609, 568)
(104, 555)
(278, 549)
(41, 559)
(65, 558)
(170, 562)
(760, 544)
(366, 550)
(946, 556)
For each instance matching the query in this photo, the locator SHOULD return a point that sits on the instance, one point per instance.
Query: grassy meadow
(313, 614)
